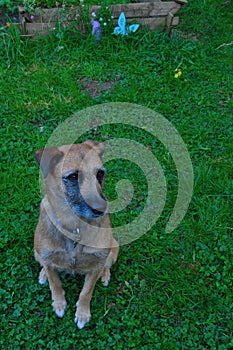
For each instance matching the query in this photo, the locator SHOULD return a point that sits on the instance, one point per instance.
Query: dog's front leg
(83, 314)
(58, 294)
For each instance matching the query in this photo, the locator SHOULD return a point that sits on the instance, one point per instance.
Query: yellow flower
(178, 73)
(8, 24)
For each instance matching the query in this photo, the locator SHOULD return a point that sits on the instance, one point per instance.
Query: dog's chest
(76, 258)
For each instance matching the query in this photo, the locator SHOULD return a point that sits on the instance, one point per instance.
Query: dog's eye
(73, 176)
(100, 175)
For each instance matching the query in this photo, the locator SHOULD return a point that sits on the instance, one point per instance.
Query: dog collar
(75, 232)
(75, 235)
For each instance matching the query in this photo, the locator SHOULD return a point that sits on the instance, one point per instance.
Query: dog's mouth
(98, 208)
(90, 208)
(97, 212)
(84, 210)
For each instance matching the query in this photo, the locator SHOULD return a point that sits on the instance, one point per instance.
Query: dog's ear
(47, 158)
(99, 147)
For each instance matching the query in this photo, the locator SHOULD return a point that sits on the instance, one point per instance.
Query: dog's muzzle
(98, 206)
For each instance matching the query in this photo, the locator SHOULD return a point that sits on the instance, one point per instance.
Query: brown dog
(74, 229)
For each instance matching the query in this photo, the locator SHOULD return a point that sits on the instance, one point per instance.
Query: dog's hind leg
(111, 259)
(43, 276)
(114, 251)
(58, 294)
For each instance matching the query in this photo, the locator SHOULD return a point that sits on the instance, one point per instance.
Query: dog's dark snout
(99, 207)
(97, 212)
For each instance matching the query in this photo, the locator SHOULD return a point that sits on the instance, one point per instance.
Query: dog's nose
(99, 206)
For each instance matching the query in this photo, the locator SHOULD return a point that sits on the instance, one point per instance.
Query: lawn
(168, 290)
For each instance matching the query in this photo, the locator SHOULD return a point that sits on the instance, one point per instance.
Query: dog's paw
(105, 278)
(59, 307)
(82, 316)
(42, 277)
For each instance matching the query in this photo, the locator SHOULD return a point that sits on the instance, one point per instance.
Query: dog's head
(74, 174)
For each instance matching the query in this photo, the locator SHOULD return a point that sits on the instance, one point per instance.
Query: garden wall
(154, 14)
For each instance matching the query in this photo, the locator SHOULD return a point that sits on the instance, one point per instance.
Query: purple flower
(96, 31)
(95, 26)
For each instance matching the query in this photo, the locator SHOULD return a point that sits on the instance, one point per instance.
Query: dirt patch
(95, 88)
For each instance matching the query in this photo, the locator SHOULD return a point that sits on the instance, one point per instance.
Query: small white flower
(81, 1)
(105, 23)
(101, 19)
(93, 14)
(112, 17)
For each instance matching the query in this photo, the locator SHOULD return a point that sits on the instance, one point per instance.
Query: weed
(11, 44)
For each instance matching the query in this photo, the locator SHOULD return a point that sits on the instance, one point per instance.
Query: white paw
(42, 277)
(82, 316)
(59, 308)
(106, 277)
(80, 324)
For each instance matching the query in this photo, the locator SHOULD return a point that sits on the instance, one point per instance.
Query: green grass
(168, 291)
